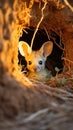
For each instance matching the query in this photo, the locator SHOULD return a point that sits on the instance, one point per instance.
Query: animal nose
(35, 68)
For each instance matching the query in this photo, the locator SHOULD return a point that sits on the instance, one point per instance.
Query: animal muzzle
(36, 69)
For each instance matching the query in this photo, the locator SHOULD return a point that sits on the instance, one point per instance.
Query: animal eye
(29, 62)
(40, 62)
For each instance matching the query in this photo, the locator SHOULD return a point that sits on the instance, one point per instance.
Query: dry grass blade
(34, 116)
(38, 24)
(67, 3)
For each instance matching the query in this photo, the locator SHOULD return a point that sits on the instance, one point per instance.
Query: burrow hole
(55, 59)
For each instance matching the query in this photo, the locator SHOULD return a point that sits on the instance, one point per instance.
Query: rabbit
(36, 59)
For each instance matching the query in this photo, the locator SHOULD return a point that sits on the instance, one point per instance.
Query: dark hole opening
(54, 60)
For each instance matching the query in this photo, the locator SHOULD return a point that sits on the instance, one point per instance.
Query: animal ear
(47, 48)
(24, 48)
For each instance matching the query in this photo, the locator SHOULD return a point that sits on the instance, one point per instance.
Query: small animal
(35, 59)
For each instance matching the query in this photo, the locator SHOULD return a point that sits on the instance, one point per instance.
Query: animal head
(35, 59)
